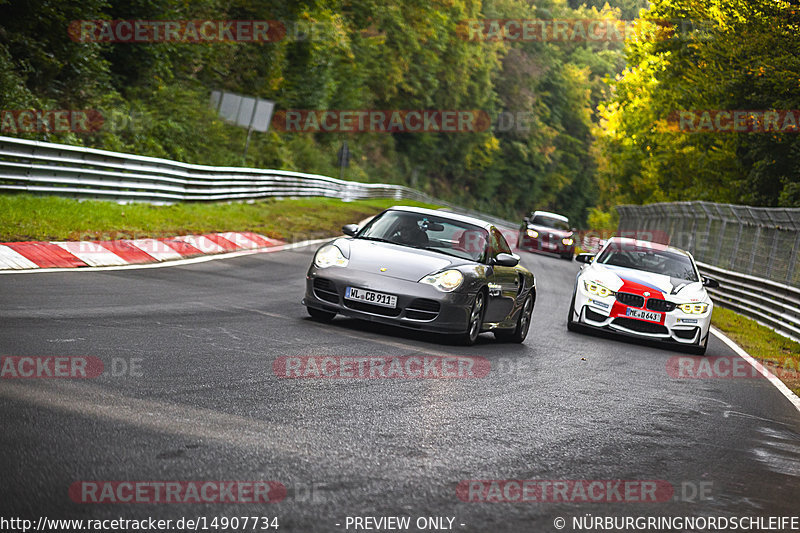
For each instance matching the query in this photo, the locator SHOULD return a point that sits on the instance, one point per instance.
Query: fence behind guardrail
(752, 251)
(75, 171)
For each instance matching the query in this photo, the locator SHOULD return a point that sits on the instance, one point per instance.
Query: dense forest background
(596, 134)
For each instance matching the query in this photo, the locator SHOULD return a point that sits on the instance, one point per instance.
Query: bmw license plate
(371, 297)
(644, 315)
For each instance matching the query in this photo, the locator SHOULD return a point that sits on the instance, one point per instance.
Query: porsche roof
(443, 214)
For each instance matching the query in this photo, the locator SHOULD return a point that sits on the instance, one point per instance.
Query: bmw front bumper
(606, 313)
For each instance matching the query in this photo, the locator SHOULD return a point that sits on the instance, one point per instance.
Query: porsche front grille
(325, 289)
(370, 308)
(423, 309)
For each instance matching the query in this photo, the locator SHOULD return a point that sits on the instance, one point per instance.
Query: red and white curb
(32, 256)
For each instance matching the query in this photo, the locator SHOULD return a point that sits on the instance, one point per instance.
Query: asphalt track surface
(205, 404)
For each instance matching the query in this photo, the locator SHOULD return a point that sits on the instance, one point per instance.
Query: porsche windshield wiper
(437, 250)
(378, 239)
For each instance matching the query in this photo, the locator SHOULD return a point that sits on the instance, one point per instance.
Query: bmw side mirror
(710, 283)
(350, 229)
(573, 230)
(584, 258)
(506, 260)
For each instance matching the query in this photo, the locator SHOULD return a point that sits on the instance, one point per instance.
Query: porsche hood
(401, 262)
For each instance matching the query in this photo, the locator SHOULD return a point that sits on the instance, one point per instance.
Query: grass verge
(776, 352)
(45, 218)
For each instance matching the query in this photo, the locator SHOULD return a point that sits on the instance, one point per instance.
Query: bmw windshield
(664, 262)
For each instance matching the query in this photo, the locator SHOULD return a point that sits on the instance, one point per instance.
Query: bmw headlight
(567, 241)
(532, 233)
(446, 281)
(597, 289)
(693, 309)
(330, 255)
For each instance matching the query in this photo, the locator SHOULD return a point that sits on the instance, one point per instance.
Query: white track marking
(758, 366)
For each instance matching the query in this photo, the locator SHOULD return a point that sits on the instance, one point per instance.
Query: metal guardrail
(74, 171)
(772, 304)
(751, 251)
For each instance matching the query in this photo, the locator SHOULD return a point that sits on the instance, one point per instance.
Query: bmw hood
(638, 281)
(401, 262)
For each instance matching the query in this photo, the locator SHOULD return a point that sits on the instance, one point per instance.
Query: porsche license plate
(371, 297)
(644, 315)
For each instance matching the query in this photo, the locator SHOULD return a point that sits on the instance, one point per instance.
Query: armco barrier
(751, 251)
(74, 171)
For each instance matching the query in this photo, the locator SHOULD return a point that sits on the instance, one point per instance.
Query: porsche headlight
(693, 309)
(532, 233)
(567, 241)
(597, 289)
(446, 281)
(330, 255)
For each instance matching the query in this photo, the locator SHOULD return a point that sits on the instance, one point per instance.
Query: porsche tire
(320, 315)
(475, 321)
(518, 334)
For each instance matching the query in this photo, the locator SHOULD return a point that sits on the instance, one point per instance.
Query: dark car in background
(547, 232)
(427, 270)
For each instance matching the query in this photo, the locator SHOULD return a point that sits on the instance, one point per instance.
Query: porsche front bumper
(419, 306)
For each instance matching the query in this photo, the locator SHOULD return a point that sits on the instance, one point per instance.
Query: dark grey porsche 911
(427, 270)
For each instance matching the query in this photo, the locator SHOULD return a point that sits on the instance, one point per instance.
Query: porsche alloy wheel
(475, 320)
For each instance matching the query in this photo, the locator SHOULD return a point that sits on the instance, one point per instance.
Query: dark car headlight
(567, 241)
(446, 281)
(330, 255)
(532, 233)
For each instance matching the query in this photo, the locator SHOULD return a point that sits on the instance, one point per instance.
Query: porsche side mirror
(506, 260)
(584, 258)
(350, 229)
(711, 283)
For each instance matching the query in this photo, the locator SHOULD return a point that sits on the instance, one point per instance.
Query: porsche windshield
(663, 262)
(428, 232)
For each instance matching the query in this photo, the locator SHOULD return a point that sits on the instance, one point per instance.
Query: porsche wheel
(523, 324)
(319, 314)
(475, 322)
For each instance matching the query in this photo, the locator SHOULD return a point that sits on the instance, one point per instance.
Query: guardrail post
(793, 261)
